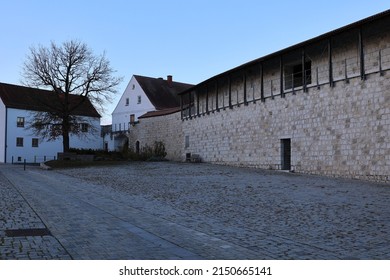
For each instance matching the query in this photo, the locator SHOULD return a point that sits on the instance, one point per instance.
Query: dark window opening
(19, 142)
(34, 142)
(293, 75)
(285, 154)
(84, 127)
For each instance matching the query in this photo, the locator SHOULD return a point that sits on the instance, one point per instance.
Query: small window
(187, 141)
(139, 99)
(127, 101)
(133, 87)
(84, 127)
(132, 119)
(19, 141)
(20, 122)
(35, 142)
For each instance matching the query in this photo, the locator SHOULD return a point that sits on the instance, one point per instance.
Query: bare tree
(75, 76)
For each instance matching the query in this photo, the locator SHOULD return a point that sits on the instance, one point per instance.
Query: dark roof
(162, 93)
(324, 36)
(26, 98)
(163, 112)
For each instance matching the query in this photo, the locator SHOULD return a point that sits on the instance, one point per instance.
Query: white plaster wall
(45, 148)
(121, 114)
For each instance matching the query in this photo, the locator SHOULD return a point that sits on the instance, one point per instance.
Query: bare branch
(68, 69)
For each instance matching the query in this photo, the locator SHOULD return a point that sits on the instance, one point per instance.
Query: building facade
(142, 95)
(318, 107)
(18, 143)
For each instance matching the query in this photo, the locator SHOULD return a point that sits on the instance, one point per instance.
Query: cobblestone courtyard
(190, 211)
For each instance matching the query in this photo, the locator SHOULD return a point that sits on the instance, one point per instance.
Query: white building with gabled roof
(142, 95)
(18, 143)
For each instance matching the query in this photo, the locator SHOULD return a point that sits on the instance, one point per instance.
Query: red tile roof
(33, 99)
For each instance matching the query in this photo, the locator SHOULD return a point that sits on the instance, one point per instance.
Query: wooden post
(330, 62)
(361, 52)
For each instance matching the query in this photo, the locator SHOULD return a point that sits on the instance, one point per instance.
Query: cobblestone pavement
(16, 214)
(193, 211)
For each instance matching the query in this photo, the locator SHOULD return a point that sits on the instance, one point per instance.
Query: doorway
(285, 154)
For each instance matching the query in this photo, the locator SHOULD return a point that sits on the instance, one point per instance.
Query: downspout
(6, 129)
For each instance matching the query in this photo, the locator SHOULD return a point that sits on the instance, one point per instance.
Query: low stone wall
(167, 129)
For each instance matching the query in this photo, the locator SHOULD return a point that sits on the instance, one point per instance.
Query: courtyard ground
(165, 210)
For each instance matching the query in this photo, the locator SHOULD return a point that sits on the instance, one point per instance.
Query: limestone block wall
(167, 128)
(339, 131)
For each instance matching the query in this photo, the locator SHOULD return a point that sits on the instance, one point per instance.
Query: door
(286, 154)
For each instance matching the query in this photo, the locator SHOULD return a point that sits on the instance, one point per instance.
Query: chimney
(169, 80)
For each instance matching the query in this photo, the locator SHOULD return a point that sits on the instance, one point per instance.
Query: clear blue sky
(192, 40)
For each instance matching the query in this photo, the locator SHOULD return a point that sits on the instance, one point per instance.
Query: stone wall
(339, 131)
(167, 128)
(337, 126)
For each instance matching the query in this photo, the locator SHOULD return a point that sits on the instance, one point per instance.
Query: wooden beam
(207, 100)
(181, 106)
(262, 83)
(361, 54)
(216, 95)
(230, 92)
(197, 104)
(281, 77)
(330, 62)
(245, 97)
(303, 70)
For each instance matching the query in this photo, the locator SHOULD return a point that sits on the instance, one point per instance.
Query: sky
(192, 40)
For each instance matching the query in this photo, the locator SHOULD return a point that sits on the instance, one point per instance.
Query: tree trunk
(65, 135)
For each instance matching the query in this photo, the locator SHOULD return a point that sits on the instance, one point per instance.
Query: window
(139, 99)
(133, 87)
(84, 127)
(293, 75)
(187, 141)
(120, 127)
(132, 119)
(127, 101)
(35, 142)
(19, 141)
(20, 121)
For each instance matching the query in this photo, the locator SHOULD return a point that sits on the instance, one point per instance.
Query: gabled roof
(163, 94)
(33, 99)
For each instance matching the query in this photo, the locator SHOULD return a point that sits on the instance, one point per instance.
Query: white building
(18, 143)
(142, 95)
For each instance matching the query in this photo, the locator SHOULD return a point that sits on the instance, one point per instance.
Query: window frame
(20, 121)
(35, 142)
(19, 142)
(84, 127)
